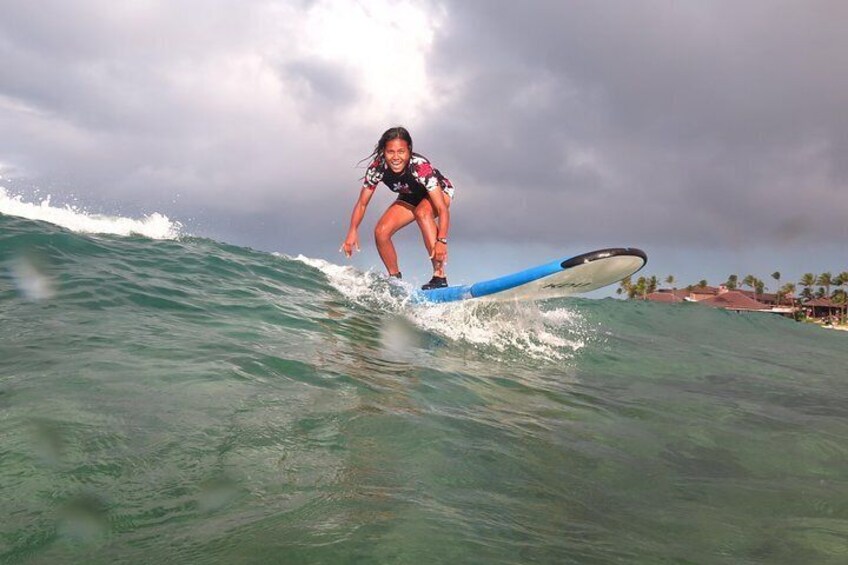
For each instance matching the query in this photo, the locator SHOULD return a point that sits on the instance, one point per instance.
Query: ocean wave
(77, 219)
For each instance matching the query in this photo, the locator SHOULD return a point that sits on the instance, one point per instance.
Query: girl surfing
(424, 195)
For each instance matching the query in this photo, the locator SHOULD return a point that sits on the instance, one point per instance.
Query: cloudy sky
(714, 135)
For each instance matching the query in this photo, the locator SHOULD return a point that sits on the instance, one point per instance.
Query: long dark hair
(397, 132)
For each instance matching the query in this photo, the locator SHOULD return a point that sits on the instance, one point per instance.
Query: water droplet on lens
(31, 280)
(48, 442)
(216, 493)
(83, 519)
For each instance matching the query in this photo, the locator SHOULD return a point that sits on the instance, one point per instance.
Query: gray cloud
(714, 124)
(703, 121)
(324, 86)
(170, 106)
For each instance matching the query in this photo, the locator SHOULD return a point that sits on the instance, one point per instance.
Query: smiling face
(397, 154)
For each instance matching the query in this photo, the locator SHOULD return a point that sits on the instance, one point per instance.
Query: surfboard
(557, 279)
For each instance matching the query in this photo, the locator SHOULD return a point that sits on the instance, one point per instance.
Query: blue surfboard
(557, 279)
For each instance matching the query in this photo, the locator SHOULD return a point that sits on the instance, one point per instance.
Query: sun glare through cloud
(385, 45)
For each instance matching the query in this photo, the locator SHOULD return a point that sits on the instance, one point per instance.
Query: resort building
(721, 297)
(699, 293)
(668, 296)
(823, 308)
(820, 310)
(736, 301)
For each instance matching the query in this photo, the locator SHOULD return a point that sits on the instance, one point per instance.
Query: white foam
(554, 334)
(504, 326)
(154, 226)
(363, 287)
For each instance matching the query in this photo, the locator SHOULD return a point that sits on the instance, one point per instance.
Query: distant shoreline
(823, 308)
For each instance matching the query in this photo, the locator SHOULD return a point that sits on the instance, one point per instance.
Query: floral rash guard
(412, 184)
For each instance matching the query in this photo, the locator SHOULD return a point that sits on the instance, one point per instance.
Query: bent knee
(424, 213)
(383, 232)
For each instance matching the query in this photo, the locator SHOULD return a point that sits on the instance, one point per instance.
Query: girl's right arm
(351, 242)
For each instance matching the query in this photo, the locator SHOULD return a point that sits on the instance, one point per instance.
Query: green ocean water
(186, 401)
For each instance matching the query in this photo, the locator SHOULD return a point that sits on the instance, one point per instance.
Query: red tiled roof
(822, 303)
(733, 300)
(761, 296)
(678, 292)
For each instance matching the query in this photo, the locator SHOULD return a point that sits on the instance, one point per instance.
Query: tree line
(824, 285)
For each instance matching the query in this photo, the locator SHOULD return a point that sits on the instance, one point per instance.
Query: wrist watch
(442, 240)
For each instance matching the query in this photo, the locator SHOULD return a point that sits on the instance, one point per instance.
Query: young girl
(424, 194)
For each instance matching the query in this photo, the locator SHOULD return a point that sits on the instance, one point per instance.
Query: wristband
(442, 240)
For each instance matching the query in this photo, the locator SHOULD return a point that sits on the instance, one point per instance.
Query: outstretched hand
(350, 245)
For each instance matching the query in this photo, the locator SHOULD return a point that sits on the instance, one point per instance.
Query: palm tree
(825, 280)
(732, 282)
(807, 281)
(630, 288)
(749, 280)
(842, 280)
(641, 288)
(624, 286)
(786, 290)
(776, 276)
(669, 280)
(841, 298)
